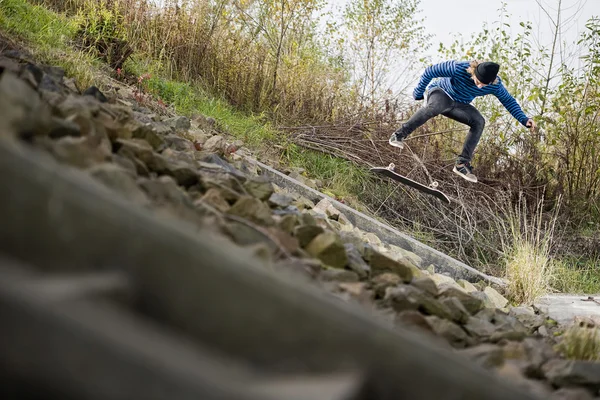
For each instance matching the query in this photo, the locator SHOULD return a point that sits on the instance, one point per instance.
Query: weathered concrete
(565, 308)
(443, 262)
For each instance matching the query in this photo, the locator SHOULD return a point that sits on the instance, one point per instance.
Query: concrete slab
(565, 308)
(443, 262)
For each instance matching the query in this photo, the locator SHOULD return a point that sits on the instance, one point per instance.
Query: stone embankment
(185, 169)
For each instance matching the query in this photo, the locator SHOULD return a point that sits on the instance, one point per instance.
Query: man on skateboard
(460, 82)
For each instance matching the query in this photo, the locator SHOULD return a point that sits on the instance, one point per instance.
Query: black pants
(438, 102)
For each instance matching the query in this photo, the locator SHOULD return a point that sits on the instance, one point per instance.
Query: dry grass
(228, 46)
(580, 343)
(526, 248)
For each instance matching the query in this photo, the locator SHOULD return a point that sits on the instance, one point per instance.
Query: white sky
(443, 18)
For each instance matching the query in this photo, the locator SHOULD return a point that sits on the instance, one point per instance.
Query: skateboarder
(450, 96)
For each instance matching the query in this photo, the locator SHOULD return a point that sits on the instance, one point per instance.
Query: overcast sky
(445, 17)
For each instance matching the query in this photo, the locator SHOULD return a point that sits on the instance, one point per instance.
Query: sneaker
(465, 170)
(394, 141)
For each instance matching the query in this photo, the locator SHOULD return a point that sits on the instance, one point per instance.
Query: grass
(578, 276)
(50, 35)
(528, 266)
(580, 343)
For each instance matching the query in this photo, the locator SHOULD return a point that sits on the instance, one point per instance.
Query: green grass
(36, 23)
(49, 35)
(572, 275)
(341, 178)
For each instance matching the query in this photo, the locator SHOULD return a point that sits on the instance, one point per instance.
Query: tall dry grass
(234, 49)
(526, 243)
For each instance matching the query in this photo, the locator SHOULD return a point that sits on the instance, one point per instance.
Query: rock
(326, 208)
(381, 282)
(63, 127)
(280, 200)
(178, 143)
(305, 268)
(260, 188)
(511, 372)
(262, 253)
(179, 123)
(532, 354)
(170, 199)
(148, 133)
(468, 286)
(398, 253)
(354, 240)
(440, 280)
(471, 303)
(426, 284)
(125, 163)
(566, 373)
(407, 297)
(496, 298)
(356, 262)
(21, 109)
(495, 325)
(372, 239)
(95, 93)
(135, 149)
(571, 394)
(307, 219)
(81, 152)
(338, 275)
(215, 144)
(285, 240)
(543, 331)
(161, 129)
(183, 172)
(450, 331)
(252, 209)
(486, 355)
(214, 198)
(119, 180)
(328, 248)
(288, 222)
(306, 233)
(303, 203)
(527, 317)
(246, 235)
(356, 290)
(479, 328)
(457, 310)
(413, 318)
(484, 298)
(164, 190)
(380, 263)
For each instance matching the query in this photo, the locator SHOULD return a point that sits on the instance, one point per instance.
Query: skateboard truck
(392, 168)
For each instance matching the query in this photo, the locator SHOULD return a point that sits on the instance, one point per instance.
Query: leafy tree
(377, 34)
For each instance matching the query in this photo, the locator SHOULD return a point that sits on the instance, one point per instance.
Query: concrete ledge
(443, 262)
(565, 308)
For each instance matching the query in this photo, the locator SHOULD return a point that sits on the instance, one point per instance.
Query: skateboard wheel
(433, 184)
(391, 166)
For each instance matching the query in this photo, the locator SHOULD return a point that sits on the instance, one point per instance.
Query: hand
(531, 124)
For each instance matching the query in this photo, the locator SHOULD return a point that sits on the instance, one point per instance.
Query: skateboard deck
(389, 172)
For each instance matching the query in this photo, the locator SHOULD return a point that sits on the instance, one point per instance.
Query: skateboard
(431, 189)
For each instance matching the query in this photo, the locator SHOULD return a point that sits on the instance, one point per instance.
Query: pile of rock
(183, 168)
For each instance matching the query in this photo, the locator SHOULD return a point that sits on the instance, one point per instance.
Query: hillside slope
(144, 251)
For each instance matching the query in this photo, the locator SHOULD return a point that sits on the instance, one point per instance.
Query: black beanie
(486, 72)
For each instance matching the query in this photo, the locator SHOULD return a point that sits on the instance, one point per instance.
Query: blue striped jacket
(459, 85)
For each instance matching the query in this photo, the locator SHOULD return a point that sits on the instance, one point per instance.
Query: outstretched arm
(513, 107)
(443, 69)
